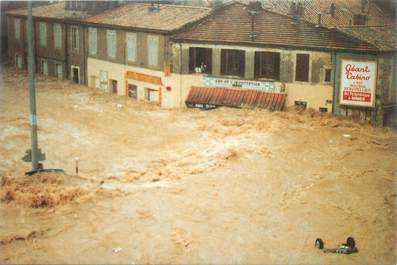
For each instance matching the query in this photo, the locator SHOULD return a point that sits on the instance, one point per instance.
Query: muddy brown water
(190, 186)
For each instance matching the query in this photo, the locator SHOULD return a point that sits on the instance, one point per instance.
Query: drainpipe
(180, 74)
(66, 52)
(335, 94)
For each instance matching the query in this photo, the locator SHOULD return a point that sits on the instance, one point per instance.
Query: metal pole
(32, 92)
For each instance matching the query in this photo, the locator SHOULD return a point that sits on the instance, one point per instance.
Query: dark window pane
(232, 62)
(200, 60)
(267, 65)
(327, 77)
(302, 67)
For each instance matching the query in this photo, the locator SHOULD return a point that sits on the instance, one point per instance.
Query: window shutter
(57, 36)
(153, 50)
(131, 47)
(302, 67)
(111, 43)
(92, 42)
(43, 34)
(17, 26)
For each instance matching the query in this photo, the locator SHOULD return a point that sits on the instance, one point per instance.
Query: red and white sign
(358, 83)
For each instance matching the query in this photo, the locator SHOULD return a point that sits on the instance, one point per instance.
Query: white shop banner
(238, 83)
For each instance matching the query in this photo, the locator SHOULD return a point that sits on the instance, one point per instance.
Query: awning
(218, 96)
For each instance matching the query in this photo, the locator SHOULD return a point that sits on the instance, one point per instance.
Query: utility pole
(32, 91)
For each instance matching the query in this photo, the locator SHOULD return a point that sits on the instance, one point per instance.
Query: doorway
(59, 71)
(113, 86)
(132, 91)
(76, 74)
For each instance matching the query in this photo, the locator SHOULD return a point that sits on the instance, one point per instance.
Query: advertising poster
(358, 83)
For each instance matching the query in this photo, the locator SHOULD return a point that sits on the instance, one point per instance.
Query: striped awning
(218, 96)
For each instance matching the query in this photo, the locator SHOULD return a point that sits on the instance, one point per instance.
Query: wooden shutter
(302, 67)
(131, 47)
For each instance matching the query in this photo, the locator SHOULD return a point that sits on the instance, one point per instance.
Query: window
(92, 41)
(43, 34)
(111, 43)
(44, 67)
(75, 38)
(359, 19)
(132, 91)
(57, 36)
(200, 60)
(267, 65)
(59, 70)
(302, 67)
(17, 27)
(327, 77)
(153, 43)
(131, 47)
(232, 62)
(18, 61)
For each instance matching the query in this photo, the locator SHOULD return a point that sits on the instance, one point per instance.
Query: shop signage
(143, 77)
(358, 82)
(238, 83)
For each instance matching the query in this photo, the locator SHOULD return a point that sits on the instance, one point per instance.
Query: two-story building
(129, 51)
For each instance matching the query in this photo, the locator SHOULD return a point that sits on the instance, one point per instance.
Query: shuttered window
(131, 47)
(232, 62)
(153, 50)
(17, 27)
(75, 38)
(92, 41)
(302, 67)
(57, 36)
(267, 65)
(43, 34)
(111, 43)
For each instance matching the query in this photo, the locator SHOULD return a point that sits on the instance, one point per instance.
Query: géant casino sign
(358, 83)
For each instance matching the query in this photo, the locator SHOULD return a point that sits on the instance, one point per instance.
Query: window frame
(260, 62)
(226, 66)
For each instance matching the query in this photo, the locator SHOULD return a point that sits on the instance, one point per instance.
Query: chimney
(300, 10)
(332, 9)
(319, 19)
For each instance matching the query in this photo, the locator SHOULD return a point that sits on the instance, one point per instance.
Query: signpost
(358, 83)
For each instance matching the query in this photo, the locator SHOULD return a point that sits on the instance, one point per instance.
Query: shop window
(302, 67)
(267, 65)
(75, 38)
(132, 91)
(233, 62)
(200, 60)
(359, 19)
(327, 77)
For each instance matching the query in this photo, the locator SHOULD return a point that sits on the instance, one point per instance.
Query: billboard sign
(358, 83)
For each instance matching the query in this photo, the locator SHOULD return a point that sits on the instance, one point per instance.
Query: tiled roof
(139, 15)
(380, 30)
(47, 11)
(219, 96)
(232, 24)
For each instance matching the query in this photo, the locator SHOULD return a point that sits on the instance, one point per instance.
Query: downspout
(66, 52)
(84, 57)
(334, 92)
(180, 74)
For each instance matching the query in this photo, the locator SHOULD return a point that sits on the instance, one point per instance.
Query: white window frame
(153, 50)
(92, 41)
(43, 34)
(131, 39)
(111, 41)
(75, 38)
(57, 31)
(17, 28)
